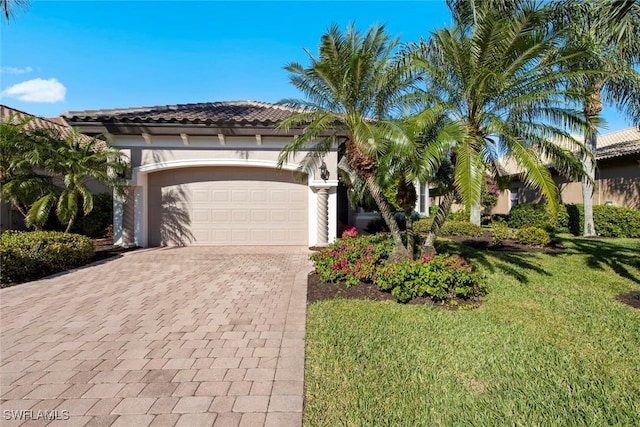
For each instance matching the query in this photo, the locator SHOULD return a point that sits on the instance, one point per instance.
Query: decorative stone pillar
(128, 218)
(323, 217)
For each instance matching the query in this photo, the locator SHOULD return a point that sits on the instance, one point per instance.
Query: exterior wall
(161, 153)
(617, 183)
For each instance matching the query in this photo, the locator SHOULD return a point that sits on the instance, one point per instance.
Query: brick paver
(161, 337)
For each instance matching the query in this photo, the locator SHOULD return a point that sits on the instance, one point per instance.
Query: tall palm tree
(351, 92)
(501, 79)
(609, 30)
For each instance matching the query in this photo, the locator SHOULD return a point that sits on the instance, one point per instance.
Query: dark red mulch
(485, 242)
(630, 298)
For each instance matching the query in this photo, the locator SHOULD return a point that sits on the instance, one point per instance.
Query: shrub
(532, 236)
(31, 255)
(349, 231)
(461, 229)
(101, 216)
(422, 225)
(609, 221)
(441, 277)
(537, 215)
(500, 231)
(352, 260)
(460, 215)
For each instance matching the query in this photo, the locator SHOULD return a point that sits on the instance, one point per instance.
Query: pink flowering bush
(349, 232)
(440, 277)
(353, 259)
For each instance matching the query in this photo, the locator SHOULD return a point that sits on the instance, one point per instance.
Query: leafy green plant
(95, 223)
(440, 277)
(532, 236)
(500, 231)
(610, 221)
(422, 225)
(461, 229)
(537, 214)
(352, 260)
(31, 255)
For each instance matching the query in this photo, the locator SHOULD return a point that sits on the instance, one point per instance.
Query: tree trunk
(475, 216)
(399, 251)
(406, 197)
(592, 110)
(72, 220)
(428, 247)
(411, 239)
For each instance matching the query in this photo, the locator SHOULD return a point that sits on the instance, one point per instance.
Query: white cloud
(15, 70)
(37, 90)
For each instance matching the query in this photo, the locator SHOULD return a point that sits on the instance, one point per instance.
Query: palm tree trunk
(72, 221)
(399, 251)
(475, 216)
(592, 110)
(428, 247)
(411, 239)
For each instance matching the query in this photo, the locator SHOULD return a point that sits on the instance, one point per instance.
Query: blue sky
(83, 55)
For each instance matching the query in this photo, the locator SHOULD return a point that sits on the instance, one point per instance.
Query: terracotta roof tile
(229, 112)
(56, 123)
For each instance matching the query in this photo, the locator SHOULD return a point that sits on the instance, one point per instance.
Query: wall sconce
(324, 172)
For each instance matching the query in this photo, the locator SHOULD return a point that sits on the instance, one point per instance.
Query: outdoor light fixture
(324, 172)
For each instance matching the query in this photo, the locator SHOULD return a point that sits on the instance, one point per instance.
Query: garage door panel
(267, 210)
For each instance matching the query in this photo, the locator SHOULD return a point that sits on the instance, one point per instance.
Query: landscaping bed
(486, 242)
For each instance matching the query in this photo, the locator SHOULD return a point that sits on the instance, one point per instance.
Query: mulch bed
(630, 298)
(485, 242)
(317, 290)
(104, 248)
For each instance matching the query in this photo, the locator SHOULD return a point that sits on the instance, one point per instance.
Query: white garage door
(227, 206)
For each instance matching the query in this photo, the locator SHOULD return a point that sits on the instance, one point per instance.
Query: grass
(550, 346)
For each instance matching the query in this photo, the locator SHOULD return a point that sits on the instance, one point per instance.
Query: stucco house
(206, 174)
(617, 180)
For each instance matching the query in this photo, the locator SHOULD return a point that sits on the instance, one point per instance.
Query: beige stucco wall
(617, 181)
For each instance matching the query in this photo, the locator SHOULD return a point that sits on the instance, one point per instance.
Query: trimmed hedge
(537, 215)
(423, 225)
(461, 229)
(609, 221)
(532, 236)
(34, 254)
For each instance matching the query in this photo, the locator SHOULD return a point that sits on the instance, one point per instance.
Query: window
(513, 197)
(423, 198)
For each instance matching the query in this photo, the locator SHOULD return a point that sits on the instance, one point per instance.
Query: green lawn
(550, 346)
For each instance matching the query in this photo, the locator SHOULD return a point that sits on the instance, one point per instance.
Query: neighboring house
(9, 218)
(617, 180)
(206, 174)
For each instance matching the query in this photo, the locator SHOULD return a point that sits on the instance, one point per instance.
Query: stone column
(128, 218)
(323, 217)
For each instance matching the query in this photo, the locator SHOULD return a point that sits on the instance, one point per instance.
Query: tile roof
(35, 122)
(619, 143)
(57, 124)
(610, 145)
(246, 113)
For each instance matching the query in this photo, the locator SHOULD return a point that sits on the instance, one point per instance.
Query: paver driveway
(173, 336)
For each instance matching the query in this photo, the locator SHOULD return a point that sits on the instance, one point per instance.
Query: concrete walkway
(163, 337)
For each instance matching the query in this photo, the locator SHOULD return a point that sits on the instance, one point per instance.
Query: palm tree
(352, 91)
(75, 159)
(9, 6)
(20, 149)
(42, 168)
(610, 33)
(502, 80)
